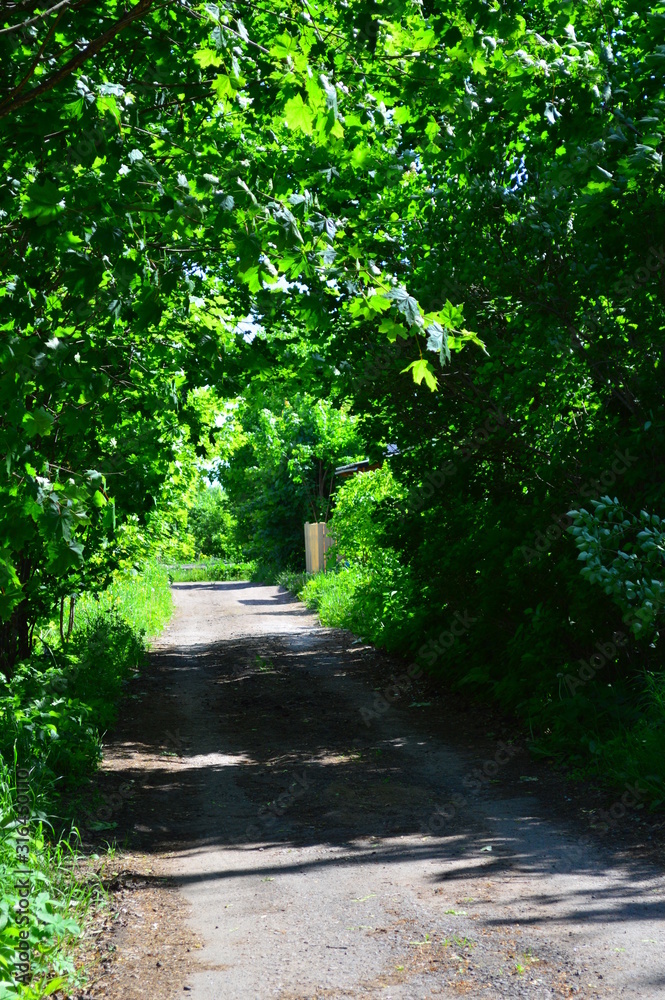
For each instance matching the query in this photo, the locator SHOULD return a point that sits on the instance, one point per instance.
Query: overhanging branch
(13, 104)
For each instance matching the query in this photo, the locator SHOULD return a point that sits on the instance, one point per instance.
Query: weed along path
(322, 841)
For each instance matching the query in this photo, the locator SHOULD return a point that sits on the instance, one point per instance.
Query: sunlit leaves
(420, 370)
(407, 305)
(205, 154)
(298, 115)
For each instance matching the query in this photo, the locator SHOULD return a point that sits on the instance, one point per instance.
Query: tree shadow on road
(258, 741)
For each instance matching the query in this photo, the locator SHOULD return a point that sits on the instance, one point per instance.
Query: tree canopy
(373, 186)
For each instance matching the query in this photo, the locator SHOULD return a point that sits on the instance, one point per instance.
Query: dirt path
(292, 843)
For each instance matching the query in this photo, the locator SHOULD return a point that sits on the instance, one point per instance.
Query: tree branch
(33, 20)
(33, 67)
(9, 106)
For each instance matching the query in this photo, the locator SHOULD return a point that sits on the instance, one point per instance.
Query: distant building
(346, 471)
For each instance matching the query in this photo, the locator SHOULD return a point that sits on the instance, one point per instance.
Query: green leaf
(44, 202)
(53, 986)
(207, 57)
(298, 115)
(392, 329)
(361, 154)
(402, 115)
(407, 305)
(74, 109)
(222, 86)
(422, 369)
(37, 422)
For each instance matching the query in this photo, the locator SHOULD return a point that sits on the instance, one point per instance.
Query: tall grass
(293, 580)
(332, 596)
(211, 570)
(53, 714)
(143, 600)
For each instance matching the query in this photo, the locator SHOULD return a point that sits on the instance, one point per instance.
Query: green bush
(212, 570)
(53, 711)
(365, 588)
(47, 728)
(58, 895)
(355, 524)
(57, 704)
(212, 525)
(406, 598)
(332, 595)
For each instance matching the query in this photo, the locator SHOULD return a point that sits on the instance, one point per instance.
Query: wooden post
(317, 543)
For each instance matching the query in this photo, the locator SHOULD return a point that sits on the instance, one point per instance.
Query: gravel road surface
(327, 842)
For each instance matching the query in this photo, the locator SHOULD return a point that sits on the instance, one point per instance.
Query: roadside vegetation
(602, 714)
(425, 234)
(53, 716)
(211, 570)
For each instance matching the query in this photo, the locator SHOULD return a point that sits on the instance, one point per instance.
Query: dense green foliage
(603, 710)
(278, 468)
(391, 165)
(212, 524)
(53, 714)
(229, 232)
(59, 896)
(211, 570)
(60, 701)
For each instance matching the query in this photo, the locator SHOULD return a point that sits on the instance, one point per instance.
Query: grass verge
(53, 713)
(211, 570)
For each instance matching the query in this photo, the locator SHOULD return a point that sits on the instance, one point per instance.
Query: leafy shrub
(213, 526)
(367, 590)
(332, 595)
(212, 570)
(58, 897)
(354, 524)
(406, 597)
(57, 703)
(625, 555)
(53, 731)
(52, 712)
